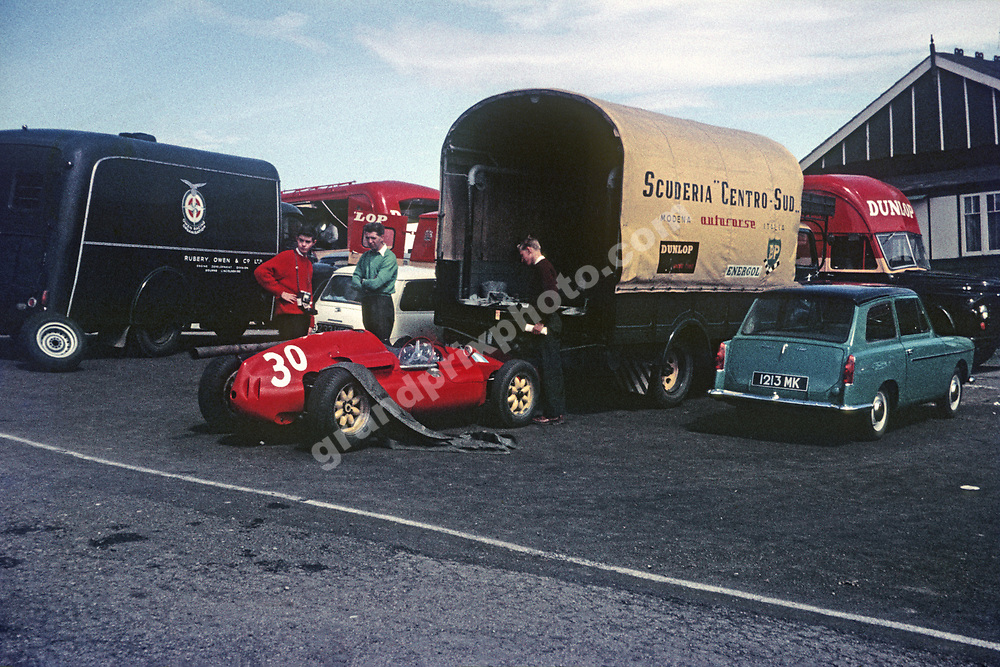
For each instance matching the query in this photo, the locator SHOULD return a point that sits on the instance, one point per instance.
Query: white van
(338, 306)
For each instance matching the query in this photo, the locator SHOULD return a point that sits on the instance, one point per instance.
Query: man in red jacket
(288, 276)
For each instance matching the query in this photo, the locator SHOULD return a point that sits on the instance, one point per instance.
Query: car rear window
(880, 325)
(417, 295)
(817, 318)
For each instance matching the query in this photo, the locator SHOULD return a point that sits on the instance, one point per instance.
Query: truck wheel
(671, 380)
(982, 354)
(338, 403)
(513, 394)
(53, 342)
(875, 421)
(157, 340)
(948, 404)
(213, 393)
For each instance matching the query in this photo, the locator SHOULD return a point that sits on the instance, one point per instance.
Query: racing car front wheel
(338, 403)
(514, 393)
(213, 393)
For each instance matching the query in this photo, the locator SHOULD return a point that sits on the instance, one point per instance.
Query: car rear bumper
(739, 396)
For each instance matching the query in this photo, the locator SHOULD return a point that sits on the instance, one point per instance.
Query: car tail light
(849, 370)
(720, 357)
(45, 298)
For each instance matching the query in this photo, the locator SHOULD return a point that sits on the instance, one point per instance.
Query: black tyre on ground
(157, 339)
(513, 394)
(53, 342)
(214, 390)
(672, 379)
(338, 403)
(874, 422)
(948, 404)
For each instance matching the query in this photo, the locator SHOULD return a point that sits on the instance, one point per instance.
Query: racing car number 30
(296, 359)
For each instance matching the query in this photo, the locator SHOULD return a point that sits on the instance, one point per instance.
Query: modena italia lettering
(889, 207)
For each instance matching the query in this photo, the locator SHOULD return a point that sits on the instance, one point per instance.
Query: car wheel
(948, 404)
(514, 393)
(672, 379)
(875, 422)
(213, 393)
(53, 342)
(339, 404)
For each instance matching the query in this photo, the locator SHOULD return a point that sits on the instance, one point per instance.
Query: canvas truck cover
(684, 205)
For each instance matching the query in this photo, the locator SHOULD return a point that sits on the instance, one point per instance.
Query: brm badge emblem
(773, 256)
(193, 206)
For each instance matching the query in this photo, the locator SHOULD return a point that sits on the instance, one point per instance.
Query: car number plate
(780, 381)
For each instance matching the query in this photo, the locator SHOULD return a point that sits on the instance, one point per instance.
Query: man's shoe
(542, 419)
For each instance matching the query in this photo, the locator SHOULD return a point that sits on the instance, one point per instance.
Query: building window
(979, 237)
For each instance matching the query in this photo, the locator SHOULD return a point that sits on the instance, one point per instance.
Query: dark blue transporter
(128, 238)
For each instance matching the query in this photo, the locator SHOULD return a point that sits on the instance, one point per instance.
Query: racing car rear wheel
(513, 394)
(338, 403)
(213, 393)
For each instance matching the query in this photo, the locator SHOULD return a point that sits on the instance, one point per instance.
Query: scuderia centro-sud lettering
(677, 257)
(731, 194)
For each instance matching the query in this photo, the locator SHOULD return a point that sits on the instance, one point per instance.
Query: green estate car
(856, 349)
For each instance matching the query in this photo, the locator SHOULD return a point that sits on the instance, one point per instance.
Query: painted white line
(530, 551)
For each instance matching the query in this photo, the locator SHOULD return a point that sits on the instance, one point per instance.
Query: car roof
(853, 292)
(406, 272)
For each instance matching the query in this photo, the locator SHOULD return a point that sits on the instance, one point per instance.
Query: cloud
(641, 48)
(288, 27)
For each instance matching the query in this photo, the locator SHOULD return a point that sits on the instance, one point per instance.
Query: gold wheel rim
(351, 409)
(520, 395)
(670, 371)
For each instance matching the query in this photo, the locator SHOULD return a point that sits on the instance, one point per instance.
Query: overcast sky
(339, 90)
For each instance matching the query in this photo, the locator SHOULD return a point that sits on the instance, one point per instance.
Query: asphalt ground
(768, 514)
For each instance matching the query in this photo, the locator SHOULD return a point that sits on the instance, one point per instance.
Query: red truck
(859, 229)
(339, 211)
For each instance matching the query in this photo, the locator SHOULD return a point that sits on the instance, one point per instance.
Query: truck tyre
(157, 340)
(53, 342)
(948, 404)
(513, 394)
(672, 378)
(213, 393)
(338, 403)
(875, 421)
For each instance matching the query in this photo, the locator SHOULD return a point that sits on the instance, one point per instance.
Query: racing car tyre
(53, 342)
(213, 393)
(875, 420)
(948, 404)
(338, 403)
(514, 392)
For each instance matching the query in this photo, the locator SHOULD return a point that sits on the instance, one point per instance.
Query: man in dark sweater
(548, 330)
(288, 276)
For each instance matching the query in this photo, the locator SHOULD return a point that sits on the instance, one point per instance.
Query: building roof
(934, 128)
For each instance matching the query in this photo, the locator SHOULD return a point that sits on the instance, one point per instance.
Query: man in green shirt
(375, 280)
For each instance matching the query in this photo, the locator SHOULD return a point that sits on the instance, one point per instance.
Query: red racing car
(338, 380)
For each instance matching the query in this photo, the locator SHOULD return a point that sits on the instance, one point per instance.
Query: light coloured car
(338, 306)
